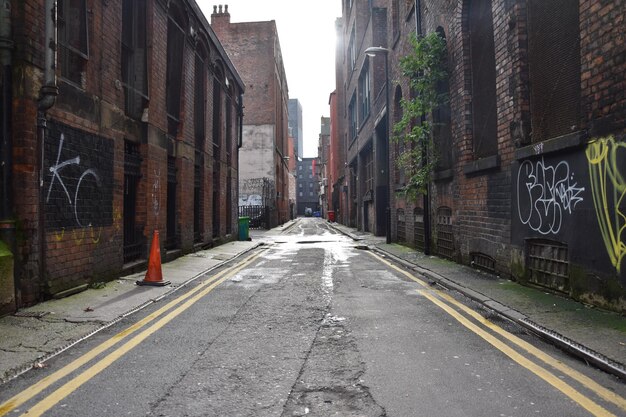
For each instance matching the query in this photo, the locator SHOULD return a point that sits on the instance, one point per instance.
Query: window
(299, 167)
(364, 92)
(73, 40)
(352, 50)
(311, 194)
(369, 171)
(395, 18)
(399, 144)
(300, 185)
(134, 74)
(353, 118)
(483, 62)
(554, 64)
(200, 75)
(217, 109)
(175, 47)
(442, 118)
(300, 194)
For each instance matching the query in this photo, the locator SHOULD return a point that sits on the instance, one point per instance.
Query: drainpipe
(47, 97)
(426, 202)
(7, 220)
(7, 223)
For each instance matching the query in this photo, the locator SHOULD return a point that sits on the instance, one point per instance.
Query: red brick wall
(76, 255)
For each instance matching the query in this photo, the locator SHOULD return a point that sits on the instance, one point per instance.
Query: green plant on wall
(425, 68)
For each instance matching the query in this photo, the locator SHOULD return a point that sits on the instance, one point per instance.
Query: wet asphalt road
(314, 326)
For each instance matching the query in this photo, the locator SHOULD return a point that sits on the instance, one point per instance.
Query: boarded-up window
(554, 63)
(134, 74)
(174, 74)
(483, 61)
(442, 118)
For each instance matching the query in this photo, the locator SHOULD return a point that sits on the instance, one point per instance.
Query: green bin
(244, 228)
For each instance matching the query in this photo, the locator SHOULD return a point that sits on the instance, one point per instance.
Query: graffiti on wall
(156, 189)
(607, 173)
(78, 183)
(545, 194)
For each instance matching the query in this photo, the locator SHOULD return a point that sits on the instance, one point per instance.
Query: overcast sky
(306, 29)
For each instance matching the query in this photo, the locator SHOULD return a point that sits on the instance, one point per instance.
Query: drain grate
(32, 314)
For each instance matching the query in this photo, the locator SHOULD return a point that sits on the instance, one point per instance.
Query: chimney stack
(220, 15)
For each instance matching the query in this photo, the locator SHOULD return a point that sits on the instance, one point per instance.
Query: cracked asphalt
(313, 326)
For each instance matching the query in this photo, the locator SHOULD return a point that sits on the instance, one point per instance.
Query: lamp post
(373, 51)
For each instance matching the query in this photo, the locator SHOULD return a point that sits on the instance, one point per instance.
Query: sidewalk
(36, 333)
(595, 335)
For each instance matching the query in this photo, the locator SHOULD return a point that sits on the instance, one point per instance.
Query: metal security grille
(133, 238)
(483, 78)
(418, 228)
(401, 226)
(216, 198)
(172, 238)
(554, 63)
(482, 261)
(445, 239)
(258, 216)
(548, 264)
(197, 202)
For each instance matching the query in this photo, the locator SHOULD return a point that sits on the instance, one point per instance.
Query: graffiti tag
(156, 188)
(606, 158)
(55, 172)
(545, 194)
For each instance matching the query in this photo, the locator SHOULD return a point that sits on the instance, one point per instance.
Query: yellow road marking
(539, 354)
(44, 383)
(585, 402)
(542, 373)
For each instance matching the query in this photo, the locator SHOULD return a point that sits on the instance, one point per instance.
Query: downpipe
(7, 218)
(47, 98)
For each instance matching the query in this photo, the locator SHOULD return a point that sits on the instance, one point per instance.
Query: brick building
(323, 167)
(308, 187)
(137, 130)
(529, 182)
(254, 48)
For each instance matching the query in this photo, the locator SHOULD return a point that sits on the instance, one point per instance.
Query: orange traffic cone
(154, 276)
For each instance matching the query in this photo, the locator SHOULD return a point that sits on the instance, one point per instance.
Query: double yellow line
(178, 306)
(457, 311)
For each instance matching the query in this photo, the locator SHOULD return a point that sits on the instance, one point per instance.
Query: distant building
(307, 185)
(323, 166)
(295, 126)
(254, 48)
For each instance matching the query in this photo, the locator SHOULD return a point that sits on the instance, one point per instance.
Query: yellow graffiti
(78, 238)
(94, 238)
(78, 235)
(608, 188)
(59, 236)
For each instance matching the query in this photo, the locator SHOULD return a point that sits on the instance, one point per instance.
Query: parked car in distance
(308, 212)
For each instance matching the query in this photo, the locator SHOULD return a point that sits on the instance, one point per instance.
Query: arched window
(483, 70)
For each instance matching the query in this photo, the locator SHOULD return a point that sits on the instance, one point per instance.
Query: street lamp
(373, 51)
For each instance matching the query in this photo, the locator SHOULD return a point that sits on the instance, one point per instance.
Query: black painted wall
(78, 178)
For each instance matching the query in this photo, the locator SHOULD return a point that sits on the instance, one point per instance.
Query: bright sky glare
(306, 29)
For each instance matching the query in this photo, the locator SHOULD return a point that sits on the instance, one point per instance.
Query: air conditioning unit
(325, 182)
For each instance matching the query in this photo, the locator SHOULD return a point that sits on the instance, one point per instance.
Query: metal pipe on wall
(47, 98)
(6, 149)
